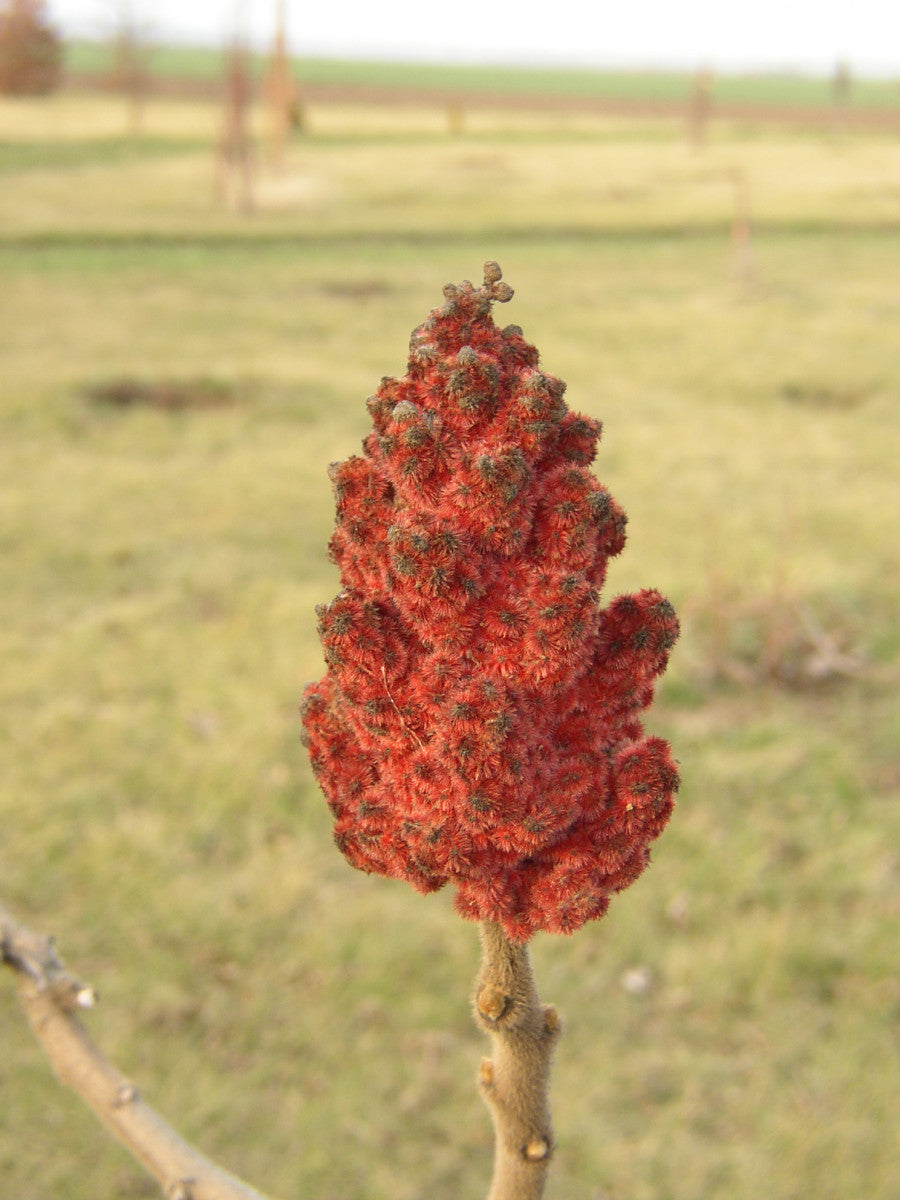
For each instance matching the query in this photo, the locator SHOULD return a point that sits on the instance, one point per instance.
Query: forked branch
(51, 998)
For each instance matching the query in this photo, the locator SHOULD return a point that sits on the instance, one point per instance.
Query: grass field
(196, 62)
(732, 1025)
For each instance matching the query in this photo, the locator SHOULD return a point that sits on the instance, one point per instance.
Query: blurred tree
(456, 118)
(30, 49)
(741, 231)
(700, 107)
(130, 73)
(281, 92)
(234, 155)
(841, 82)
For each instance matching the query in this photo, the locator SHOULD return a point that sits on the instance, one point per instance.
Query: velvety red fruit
(479, 720)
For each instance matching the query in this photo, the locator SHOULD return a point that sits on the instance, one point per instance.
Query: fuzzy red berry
(479, 721)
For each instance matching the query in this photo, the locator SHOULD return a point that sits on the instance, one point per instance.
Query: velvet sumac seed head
(479, 720)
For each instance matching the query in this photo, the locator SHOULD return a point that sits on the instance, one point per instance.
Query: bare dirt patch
(168, 394)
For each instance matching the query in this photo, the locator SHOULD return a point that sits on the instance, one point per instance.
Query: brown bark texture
(51, 998)
(515, 1080)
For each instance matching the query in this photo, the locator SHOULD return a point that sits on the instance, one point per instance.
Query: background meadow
(176, 378)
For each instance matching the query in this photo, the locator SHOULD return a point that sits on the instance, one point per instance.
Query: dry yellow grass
(732, 1023)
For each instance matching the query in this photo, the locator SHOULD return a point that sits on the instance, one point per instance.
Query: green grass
(198, 62)
(107, 151)
(308, 1025)
(193, 62)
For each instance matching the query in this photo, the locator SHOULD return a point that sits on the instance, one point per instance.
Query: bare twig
(515, 1081)
(51, 997)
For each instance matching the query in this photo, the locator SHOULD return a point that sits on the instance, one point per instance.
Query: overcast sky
(804, 35)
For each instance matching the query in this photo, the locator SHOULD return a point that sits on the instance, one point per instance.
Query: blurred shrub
(30, 49)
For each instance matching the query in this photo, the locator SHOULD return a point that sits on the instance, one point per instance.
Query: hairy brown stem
(50, 997)
(515, 1080)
